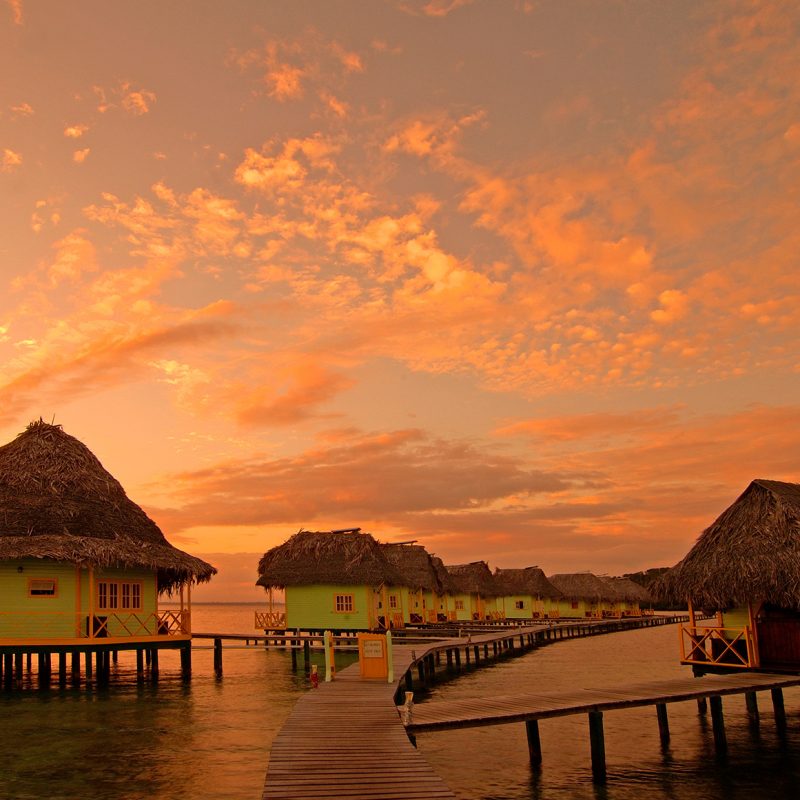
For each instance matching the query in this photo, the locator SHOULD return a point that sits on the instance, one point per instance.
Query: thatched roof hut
(583, 586)
(415, 566)
(628, 590)
(751, 552)
(443, 576)
(473, 578)
(327, 557)
(58, 502)
(527, 581)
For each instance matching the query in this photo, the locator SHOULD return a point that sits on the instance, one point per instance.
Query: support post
(389, 657)
(702, 705)
(780, 710)
(139, 662)
(186, 661)
(752, 707)
(307, 655)
(218, 658)
(718, 725)
(663, 723)
(154, 664)
(534, 743)
(598, 746)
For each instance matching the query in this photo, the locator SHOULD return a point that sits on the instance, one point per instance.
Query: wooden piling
(779, 708)
(75, 668)
(663, 723)
(751, 701)
(139, 662)
(186, 661)
(534, 743)
(598, 746)
(718, 724)
(218, 658)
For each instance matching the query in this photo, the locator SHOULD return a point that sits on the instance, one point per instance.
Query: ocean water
(210, 739)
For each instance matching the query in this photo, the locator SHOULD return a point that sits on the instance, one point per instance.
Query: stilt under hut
(420, 580)
(526, 593)
(584, 595)
(81, 565)
(745, 570)
(335, 580)
(475, 592)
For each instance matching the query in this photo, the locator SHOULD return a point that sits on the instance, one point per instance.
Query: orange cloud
(79, 156)
(75, 131)
(16, 11)
(11, 160)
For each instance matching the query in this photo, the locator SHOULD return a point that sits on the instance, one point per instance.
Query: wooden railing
(271, 620)
(33, 625)
(728, 647)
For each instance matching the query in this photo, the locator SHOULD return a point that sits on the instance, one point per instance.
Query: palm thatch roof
(751, 552)
(629, 590)
(473, 578)
(583, 586)
(57, 501)
(415, 566)
(527, 581)
(443, 576)
(331, 557)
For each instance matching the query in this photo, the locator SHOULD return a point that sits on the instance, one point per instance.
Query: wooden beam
(534, 742)
(598, 746)
(663, 723)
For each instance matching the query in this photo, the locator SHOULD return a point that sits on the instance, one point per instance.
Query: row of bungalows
(347, 580)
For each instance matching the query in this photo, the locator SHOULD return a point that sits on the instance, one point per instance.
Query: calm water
(211, 739)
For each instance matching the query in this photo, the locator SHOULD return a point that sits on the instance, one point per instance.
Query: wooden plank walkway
(345, 740)
(500, 710)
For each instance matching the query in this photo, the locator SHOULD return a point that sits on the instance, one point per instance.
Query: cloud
(11, 160)
(22, 110)
(432, 8)
(75, 131)
(136, 101)
(16, 11)
(79, 156)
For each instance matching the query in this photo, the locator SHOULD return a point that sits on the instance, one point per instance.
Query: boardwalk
(346, 741)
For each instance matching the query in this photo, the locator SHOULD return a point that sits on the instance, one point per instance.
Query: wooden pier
(530, 708)
(346, 739)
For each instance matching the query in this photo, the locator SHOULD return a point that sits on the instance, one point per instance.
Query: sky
(517, 280)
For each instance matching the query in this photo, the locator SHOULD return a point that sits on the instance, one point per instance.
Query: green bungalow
(584, 595)
(80, 563)
(333, 580)
(475, 594)
(745, 568)
(441, 607)
(526, 593)
(421, 586)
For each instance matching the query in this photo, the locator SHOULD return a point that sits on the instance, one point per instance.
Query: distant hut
(443, 603)
(475, 592)
(584, 595)
(333, 580)
(526, 593)
(79, 560)
(421, 584)
(632, 599)
(745, 567)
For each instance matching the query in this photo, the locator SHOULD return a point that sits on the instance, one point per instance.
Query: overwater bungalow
(81, 565)
(526, 593)
(475, 593)
(333, 580)
(632, 599)
(421, 584)
(584, 595)
(745, 570)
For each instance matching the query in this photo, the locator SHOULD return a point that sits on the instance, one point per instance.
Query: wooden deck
(346, 740)
(523, 707)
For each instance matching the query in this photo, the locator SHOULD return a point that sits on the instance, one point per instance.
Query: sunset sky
(518, 280)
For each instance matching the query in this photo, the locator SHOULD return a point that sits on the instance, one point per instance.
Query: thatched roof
(583, 586)
(473, 578)
(414, 564)
(629, 590)
(527, 581)
(57, 501)
(443, 576)
(751, 552)
(338, 558)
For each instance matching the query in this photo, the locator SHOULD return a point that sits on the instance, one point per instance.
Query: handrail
(711, 646)
(84, 625)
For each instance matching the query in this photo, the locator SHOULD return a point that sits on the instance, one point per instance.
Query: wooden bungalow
(526, 593)
(80, 563)
(421, 584)
(745, 570)
(443, 604)
(475, 593)
(333, 580)
(632, 599)
(584, 595)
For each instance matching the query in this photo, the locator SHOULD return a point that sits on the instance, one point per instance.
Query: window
(343, 603)
(459, 605)
(113, 595)
(519, 604)
(392, 601)
(424, 603)
(42, 587)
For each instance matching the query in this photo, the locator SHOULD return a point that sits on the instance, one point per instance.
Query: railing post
(327, 646)
(389, 660)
